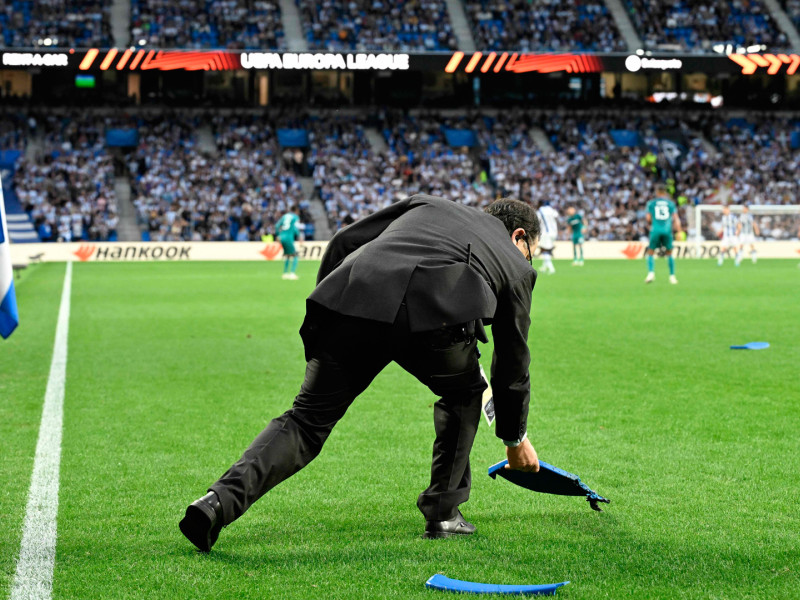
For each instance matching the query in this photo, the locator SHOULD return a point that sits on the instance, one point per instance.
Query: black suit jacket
(452, 264)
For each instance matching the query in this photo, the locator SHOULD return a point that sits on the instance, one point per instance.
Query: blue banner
(461, 137)
(122, 137)
(625, 137)
(293, 138)
(8, 158)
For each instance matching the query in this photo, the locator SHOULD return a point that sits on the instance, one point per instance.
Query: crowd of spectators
(237, 188)
(685, 25)
(234, 24)
(377, 25)
(55, 23)
(354, 179)
(414, 25)
(544, 25)
(587, 169)
(754, 161)
(68, 191)
(236, 192)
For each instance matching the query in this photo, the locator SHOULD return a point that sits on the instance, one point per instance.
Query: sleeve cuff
(515, 443)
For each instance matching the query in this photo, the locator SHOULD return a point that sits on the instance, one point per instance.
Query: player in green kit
(576, 222)
(287, 232)
(661, 215)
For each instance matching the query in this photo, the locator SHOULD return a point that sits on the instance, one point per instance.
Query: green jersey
(576, 222)
(286, 227)
(661, 211)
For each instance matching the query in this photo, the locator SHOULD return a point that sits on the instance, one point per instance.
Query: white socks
(548, 263)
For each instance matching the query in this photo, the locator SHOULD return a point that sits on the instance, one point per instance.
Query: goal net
(773, 222)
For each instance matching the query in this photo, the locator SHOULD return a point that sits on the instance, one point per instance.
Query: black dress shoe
(203, 521)
(456, 526)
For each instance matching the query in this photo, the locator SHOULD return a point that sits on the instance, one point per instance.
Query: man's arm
(676, 221)
(511, 359)
(352, 237)
(511, 373)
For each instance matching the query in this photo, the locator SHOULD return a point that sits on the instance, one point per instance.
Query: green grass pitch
(174, 368)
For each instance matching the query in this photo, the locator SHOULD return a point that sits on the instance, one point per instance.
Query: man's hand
(523, 457)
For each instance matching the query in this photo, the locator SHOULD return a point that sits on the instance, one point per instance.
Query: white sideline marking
(34, 577)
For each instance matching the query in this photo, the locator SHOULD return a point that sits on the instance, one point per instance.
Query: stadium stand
(243, 24)
(682, 25)
(599, 164)
(377, 25)
(544, 25)
(55, 23)
(756, 162)
(183, 194)
(603, 162)
(69, 191)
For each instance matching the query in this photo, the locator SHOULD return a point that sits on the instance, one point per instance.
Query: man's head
(726, 210)
(570, 211)
(520, 221)
(745, 208)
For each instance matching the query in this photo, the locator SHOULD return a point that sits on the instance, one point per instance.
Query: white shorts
(747, 239)
(546, 243)
(730, 241)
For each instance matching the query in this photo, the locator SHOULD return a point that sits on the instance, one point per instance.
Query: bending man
(412, 283)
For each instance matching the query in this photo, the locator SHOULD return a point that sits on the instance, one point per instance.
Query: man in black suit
(412, 283)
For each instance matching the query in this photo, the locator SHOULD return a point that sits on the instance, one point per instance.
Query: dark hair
(515, 214)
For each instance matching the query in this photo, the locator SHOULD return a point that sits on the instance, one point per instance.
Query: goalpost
(776, 222)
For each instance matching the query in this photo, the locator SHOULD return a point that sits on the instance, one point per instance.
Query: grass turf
(174, 368)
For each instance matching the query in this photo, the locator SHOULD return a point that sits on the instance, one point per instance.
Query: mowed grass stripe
(24, 368)
(635, 390)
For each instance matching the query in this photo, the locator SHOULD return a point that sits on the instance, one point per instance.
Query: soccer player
(747, 231)
(662, 214)
(730, 227)
(288, 232)
(548, 223)
(577, 223)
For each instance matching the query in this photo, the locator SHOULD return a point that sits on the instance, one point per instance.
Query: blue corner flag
(9, 318)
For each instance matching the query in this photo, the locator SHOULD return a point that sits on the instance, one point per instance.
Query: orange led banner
(475, 64)
(773, 63)
(526, 63)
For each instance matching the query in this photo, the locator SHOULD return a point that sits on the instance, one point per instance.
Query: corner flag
(9, 318)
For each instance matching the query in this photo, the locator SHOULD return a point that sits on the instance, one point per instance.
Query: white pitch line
(34, 577)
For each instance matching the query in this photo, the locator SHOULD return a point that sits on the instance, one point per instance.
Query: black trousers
(344, 355)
